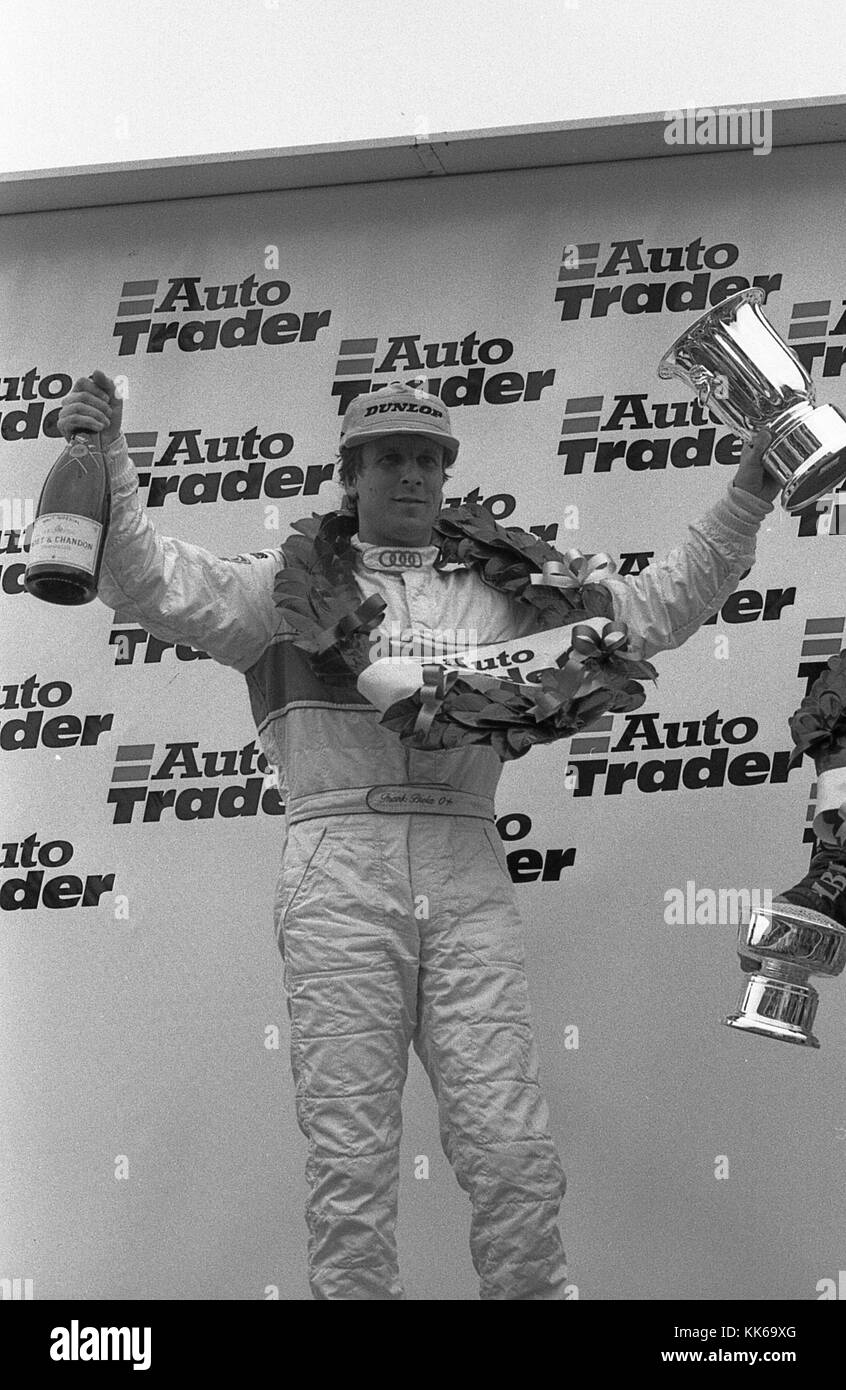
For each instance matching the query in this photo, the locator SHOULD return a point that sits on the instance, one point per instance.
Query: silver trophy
(803, 931)
(780, 949)
(747, 376)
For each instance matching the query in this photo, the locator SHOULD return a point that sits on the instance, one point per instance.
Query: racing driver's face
(399, 489)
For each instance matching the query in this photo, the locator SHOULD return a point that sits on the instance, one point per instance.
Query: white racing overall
(394, 910)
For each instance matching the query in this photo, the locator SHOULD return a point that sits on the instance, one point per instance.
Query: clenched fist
(92, 405)
(752, 476)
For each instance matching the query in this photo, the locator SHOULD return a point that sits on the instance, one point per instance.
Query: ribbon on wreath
(437, 681)
(598, 647)
(575, 571)
(364, 618)
(559, 688)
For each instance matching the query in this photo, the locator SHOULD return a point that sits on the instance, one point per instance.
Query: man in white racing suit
(399, 927)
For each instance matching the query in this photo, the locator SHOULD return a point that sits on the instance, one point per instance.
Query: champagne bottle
(71, 523)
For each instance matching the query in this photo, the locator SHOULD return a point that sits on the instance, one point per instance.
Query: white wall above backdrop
(170, 77)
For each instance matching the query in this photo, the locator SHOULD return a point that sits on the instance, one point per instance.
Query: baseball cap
(398, 408)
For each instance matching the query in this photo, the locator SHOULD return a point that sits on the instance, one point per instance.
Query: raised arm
(670, 599)
(178, 591)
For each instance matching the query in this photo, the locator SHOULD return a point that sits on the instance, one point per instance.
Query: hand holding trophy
(736, 363)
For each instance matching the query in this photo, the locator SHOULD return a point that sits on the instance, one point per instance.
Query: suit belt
(403, 798)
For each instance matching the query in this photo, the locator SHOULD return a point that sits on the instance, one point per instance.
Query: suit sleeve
(178, 591)
(671, 598)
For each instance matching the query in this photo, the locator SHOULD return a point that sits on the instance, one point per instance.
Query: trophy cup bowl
(780, 949)
(740, 368)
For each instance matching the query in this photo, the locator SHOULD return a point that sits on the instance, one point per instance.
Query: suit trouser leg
(474, 1035)
(350, 946)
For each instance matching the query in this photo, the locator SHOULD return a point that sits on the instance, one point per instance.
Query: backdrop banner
(149, 1138)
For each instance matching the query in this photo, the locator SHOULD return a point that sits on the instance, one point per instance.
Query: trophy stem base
(776, 1008)
(810, 458)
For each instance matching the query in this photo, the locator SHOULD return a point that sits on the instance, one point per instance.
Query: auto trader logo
(822, 639)
(362, 362)
(694, 443)
(715, 764)
(149, 320)
(630, 266)
(252, 460)
(809, 329)
(205, 797)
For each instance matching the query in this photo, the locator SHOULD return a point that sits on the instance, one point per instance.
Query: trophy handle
(708, 384)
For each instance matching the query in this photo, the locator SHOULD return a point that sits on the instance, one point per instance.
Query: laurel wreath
(324, 615)
(508, 720)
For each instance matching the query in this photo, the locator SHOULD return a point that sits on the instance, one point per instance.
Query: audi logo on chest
(400, 559)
